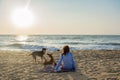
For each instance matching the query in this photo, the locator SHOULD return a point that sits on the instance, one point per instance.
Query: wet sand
(91, 65)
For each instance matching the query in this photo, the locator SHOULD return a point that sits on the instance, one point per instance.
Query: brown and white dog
(51, 61)
(39, 53)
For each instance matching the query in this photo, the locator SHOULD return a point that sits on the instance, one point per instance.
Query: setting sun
(22, 18)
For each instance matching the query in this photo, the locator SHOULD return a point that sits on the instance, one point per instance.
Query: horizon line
(60, 34)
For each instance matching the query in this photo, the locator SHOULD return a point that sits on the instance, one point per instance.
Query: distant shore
(91, 65)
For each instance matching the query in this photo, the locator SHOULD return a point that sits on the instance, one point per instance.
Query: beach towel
(50, 69)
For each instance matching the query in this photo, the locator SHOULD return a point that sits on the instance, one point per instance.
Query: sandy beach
(91, 65)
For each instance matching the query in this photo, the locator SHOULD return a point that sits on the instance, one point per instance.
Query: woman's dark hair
(65, 49)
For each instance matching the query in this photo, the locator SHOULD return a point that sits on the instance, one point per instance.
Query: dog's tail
(30, 54)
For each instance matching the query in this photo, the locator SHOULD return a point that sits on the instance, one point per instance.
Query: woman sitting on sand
(66, 61)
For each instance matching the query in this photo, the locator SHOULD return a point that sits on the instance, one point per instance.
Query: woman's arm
(57, 67)
(73, 61)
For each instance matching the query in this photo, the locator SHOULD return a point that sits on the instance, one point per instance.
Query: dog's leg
(34, 57)
(45, 61)
(42, 59)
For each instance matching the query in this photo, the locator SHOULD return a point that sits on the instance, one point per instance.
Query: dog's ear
(43, 48)
(49, 53)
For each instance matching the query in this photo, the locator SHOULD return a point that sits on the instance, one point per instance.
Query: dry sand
(91, 65)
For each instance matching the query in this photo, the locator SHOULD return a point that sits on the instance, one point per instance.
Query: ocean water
(56, 42)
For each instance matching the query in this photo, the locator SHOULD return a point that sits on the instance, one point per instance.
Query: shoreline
(99, 64)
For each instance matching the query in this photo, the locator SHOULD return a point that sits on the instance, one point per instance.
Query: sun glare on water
(22, 38)
(22, 18)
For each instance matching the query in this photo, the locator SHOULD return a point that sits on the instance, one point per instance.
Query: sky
(81, 17)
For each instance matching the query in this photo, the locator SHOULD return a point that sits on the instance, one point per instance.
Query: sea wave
(56, 42)
(91, 43)
(109, 43)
